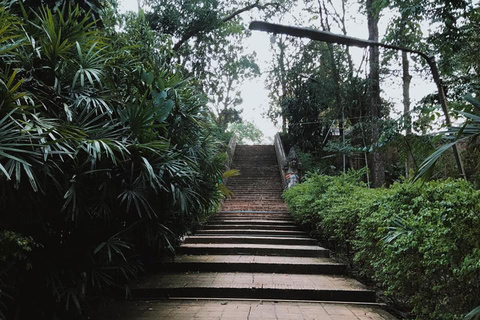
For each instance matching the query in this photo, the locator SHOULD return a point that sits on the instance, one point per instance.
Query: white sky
(255, 95)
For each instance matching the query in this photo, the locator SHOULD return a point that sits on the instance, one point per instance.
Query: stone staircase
(258, 187)
(253, 251)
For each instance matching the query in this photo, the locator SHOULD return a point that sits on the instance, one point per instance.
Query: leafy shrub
(106, 159)
(329, 206)
(420, 243)
(417, 242)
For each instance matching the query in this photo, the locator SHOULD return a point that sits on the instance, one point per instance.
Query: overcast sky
(255, 95)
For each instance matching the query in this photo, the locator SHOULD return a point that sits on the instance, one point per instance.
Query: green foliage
(105, 159)
(207, 40)
(14, 248)
(469, 131)
(330, 206)
(418, 242)
(246, 132)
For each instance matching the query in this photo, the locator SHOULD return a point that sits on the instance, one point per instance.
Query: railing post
(232, 144)
(293, 169)
(281, 159)
(289, 166)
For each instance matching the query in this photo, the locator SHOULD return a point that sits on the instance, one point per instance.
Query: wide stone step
(245, 263)
(259, 222)
(253, 188)
(239, 217)
(258, 186)
(302, 241)
(255, 197)
(262, 193)
(253, 249)
(253, 207)
(277, 189)
(255, 201)
(252, 286)
(255, 178)
(253, 227)
(266, 213)
(265, 203)
(258, 158)
(251, 212)
(251, 232)
(181, 309)
(242, 192)
(265, 171)
(252, 185)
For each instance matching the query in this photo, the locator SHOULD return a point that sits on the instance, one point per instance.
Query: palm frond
(473, 315)
(469, 130)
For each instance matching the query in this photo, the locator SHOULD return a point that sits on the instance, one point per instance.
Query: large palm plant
(105, 158)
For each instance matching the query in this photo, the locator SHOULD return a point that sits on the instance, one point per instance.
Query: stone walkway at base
(240, 310)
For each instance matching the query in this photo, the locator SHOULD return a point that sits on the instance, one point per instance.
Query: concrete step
(249, 226)
(258, 264)
(239, 218)
(256, 198)
(248, 191)
(251, 232)
(252, 286)
(252, 192)
(276, 202)
(253, 249)
(301, 241)
(230, 309)
(252, 185)
(252, 207)
(241, 203)
(256, 177)
(261, 214)
(257, 159)
(267, 212)
(258, 222)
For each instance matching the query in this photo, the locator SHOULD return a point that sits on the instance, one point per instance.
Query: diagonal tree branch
(256, 5)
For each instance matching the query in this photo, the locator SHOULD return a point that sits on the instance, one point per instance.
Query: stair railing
(289, 166)
(232, 144)
(281, 159)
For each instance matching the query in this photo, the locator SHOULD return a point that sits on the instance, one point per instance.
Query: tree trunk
(406, 109)
(378, 161)
(336, 77)
(283, 80)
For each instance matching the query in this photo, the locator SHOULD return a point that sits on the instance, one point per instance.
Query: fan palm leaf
(469, 130)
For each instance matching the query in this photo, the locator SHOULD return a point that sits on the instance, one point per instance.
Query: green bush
(329, 206)
(419, 243)
(106, 159)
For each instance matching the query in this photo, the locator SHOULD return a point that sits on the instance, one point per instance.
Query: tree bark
(378, 161)
(406, 109)
(336, 77)
(283, 80)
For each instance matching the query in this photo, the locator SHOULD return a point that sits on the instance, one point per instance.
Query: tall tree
(376, 110)
(222, 84)
(206, 38)
(404, 30)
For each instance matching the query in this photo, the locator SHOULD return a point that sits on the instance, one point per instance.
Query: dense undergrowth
(416, 242)
(106, 158)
